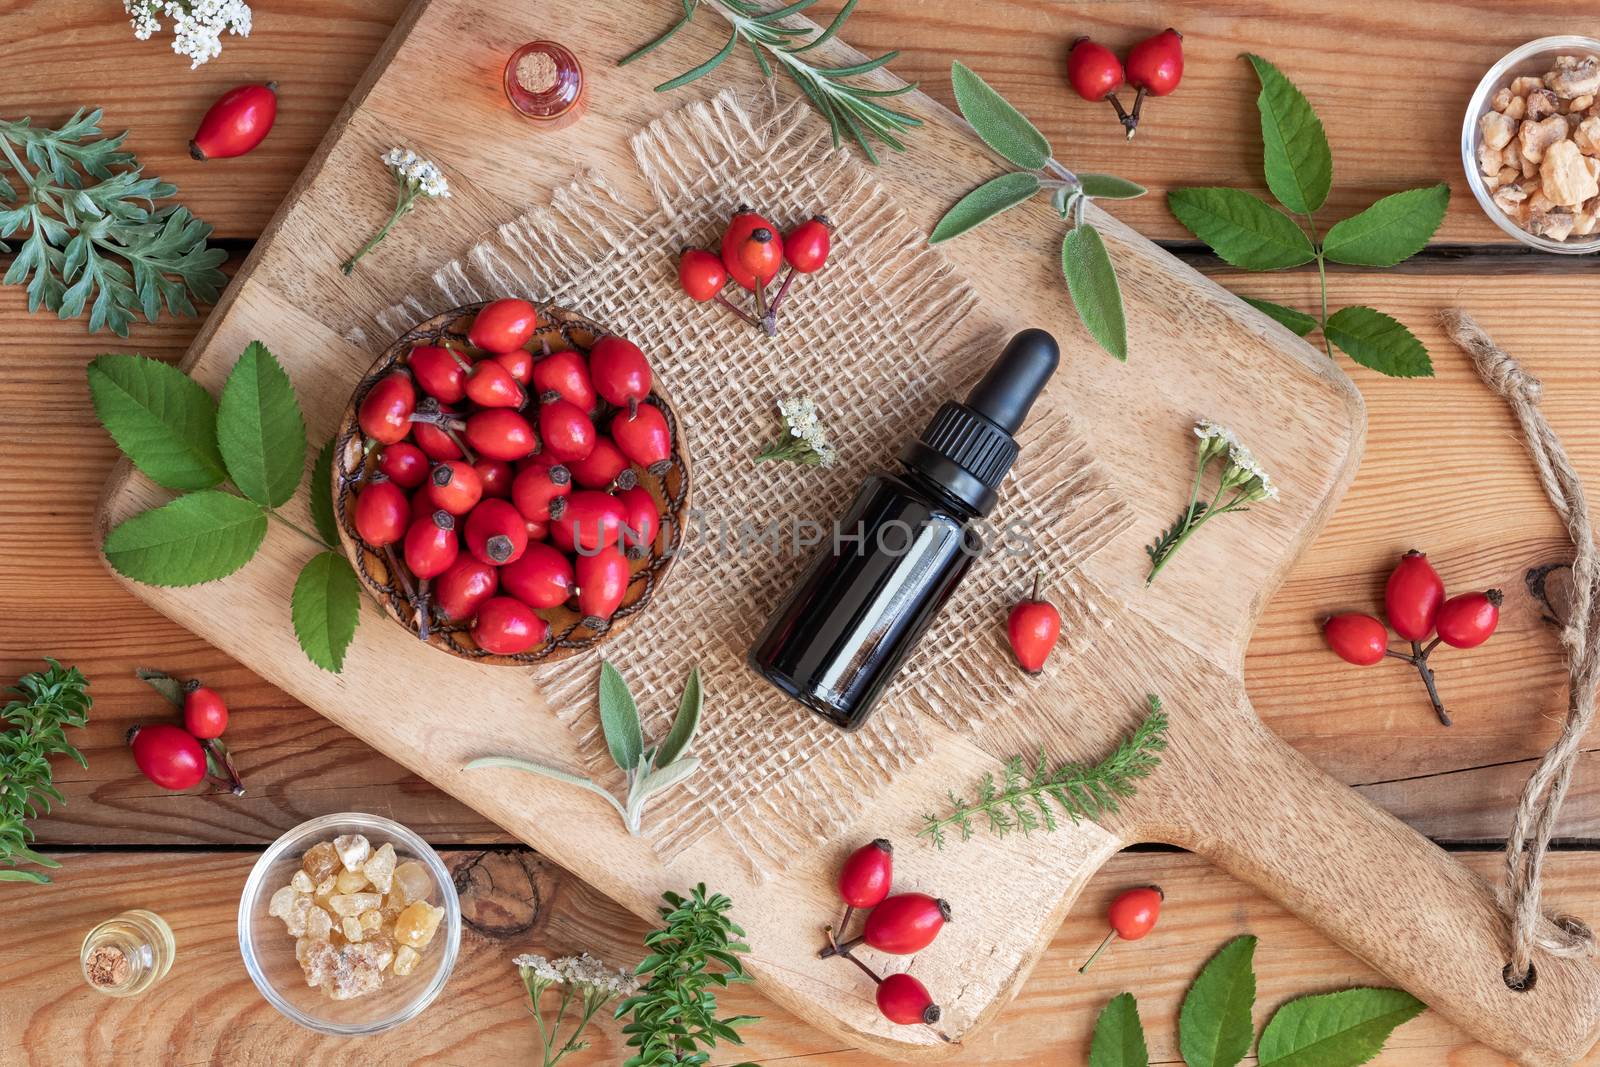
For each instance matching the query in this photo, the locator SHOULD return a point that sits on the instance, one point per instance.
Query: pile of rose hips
(531, 462)
(1415, 604)
(1132, 915)
(1155, 67)
(175, 757)
(752, 253)
(900, 925)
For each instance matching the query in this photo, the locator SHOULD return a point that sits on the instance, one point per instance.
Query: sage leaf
(664, 778)
(1298, 321)
(160, 418)
(196, 538)
(1242, 228)
(1343, 1029)
(321, 502)
(1110, 187)
(619, 718)
(169, 687)
(1296, 156)
(1393, 229)
(984, 203)
(1214, 1027)
(1002, 127)
(529, 767)
(260, 429)
(325, 607)
(1118, 1035)
(685, 724)
(1379, 342)
(1093, 283)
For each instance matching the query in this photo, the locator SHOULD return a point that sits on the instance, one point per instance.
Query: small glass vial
(544, 82)
(124, 956)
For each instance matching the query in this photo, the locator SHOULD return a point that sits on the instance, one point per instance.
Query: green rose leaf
(1093, 283)
(163, 683)
(619, 718)
(687, 722)
(325, 608)
(1214, 1027)
(322, 494)
(1395, 228)
(1298, 321)
(1110, 187)
(160, 418)
(1343, 1029)
(984, 203)
(1118, 1036)
(1378, 341)
(1298, 161)
(196, 538)
(1002, 127)
(1242, 228)
(260, 430)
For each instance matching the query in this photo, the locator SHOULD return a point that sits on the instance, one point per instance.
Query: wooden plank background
(1443, 471)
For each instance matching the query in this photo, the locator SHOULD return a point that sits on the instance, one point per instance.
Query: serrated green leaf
(1393, 229)
(685, 724)
(196, 538)
(321, 503)
(1379, 342)
(1242, 228)
(619, 718)
(160, 418)
(1110, 187)
(1118, 1035)
(260, 430)
(984, 203)
(1002, 127)
(325, 608)
(1343, 1029)
(1295, 152)
(1214, 1027)
(1298, 321)
(1092, 281)
(169, 687)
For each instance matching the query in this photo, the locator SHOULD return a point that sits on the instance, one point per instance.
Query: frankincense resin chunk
(321, 860)
(413, 881)
(405, 960)
(380, 868)
(353, 850)
(344, 904)
(416, 925)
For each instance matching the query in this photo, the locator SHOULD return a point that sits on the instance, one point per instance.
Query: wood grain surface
(1442, 469)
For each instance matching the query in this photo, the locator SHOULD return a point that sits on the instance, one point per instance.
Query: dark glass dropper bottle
(899, 551)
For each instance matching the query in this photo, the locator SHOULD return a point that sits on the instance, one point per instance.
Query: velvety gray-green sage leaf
(1242, 228)
(1118, 1035)
(160, 418)
(325, 607)
(1092, 281)
(1298, 321)
(1393, 229)
(196, 538)
(1110, 187)
(321, 503)
(686, 724)
(1379, 342)
(1002, 127)
(1296, 156)
(619, 718)
(260, 430)
(1344, 1029)
(1214, 1027)
(984, 203)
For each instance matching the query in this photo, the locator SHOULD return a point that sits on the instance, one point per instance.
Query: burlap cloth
(879, 338)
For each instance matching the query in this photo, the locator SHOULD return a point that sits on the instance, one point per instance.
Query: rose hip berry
(1032, 628)
(455, 486)
(496, 533)
(868, 873)
(1132, 915)
(439, 372)
(463, 587)
(541, 578)
(500, 433)
(589, 520)
(641, 521)
(434, 442)
(701, 274)
(745, 222)
(490, 385)
(238, 122)
(1412, 597)
(620, 373)
(506, 626)
(564, 376)
(518, 363)
(567, 433)
(503, 325)
(806, 247)
(167, 755)
(602, 583)
(1155, 67)
(540, 492)
(603, 467)
(1093, 70)
(385, 412)
(205, 715)
(762, 254)
(902, 999)
(382, 513)
(404, 464)
(905, 923)
(1356, 638)
(1468, 620)
(431, 545)
(497, 477)
(644, 437)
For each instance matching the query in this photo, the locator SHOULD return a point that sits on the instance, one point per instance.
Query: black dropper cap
(968, 448)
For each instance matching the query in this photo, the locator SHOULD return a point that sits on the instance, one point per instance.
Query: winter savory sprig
(197, 25)
(1250, 233)
(35, 729)
(1242, 482)
(583, 979)
(804, 440)
(415, 179)
(1085, 261)
(1022, 799)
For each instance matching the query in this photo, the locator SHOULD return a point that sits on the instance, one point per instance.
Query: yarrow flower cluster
(582, 978)
(414, 178)
(805, 441)
(197, 25)
(1243, 482)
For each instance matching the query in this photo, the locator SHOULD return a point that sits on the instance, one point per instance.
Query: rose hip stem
(1419, 660)
(770, 322)
(731, 306)
(836, 949)
(223, 758)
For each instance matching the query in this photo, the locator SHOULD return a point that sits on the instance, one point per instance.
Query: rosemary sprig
(50, 701)
(1020, 801)
(848, 108)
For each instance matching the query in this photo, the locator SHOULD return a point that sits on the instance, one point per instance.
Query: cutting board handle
(1389, 895)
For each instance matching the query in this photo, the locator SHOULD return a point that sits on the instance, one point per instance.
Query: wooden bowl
(560, 329)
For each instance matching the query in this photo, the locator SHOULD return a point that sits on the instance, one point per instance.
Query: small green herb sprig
(47, 703)
(1251, 234)
(1342, 1029)
(651, 771)
(674, 1015)
(848, 108)
(86, 212)
(1022, 799)
(237, 460)
(1085, 261)
(1241, 482)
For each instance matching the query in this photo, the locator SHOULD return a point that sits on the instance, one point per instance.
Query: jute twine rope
(1535, 823)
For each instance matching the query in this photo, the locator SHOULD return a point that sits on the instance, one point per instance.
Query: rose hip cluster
(900, 925)
(752, 254)
(1415, 603)
(1154, 68)
(175, 757)
(501, 452)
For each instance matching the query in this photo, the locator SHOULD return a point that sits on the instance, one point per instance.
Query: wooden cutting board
(1227, 789)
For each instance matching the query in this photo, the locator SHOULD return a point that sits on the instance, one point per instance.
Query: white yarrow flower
(197, 25)
(414, 178)
(1243, 481)
(804, 439)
